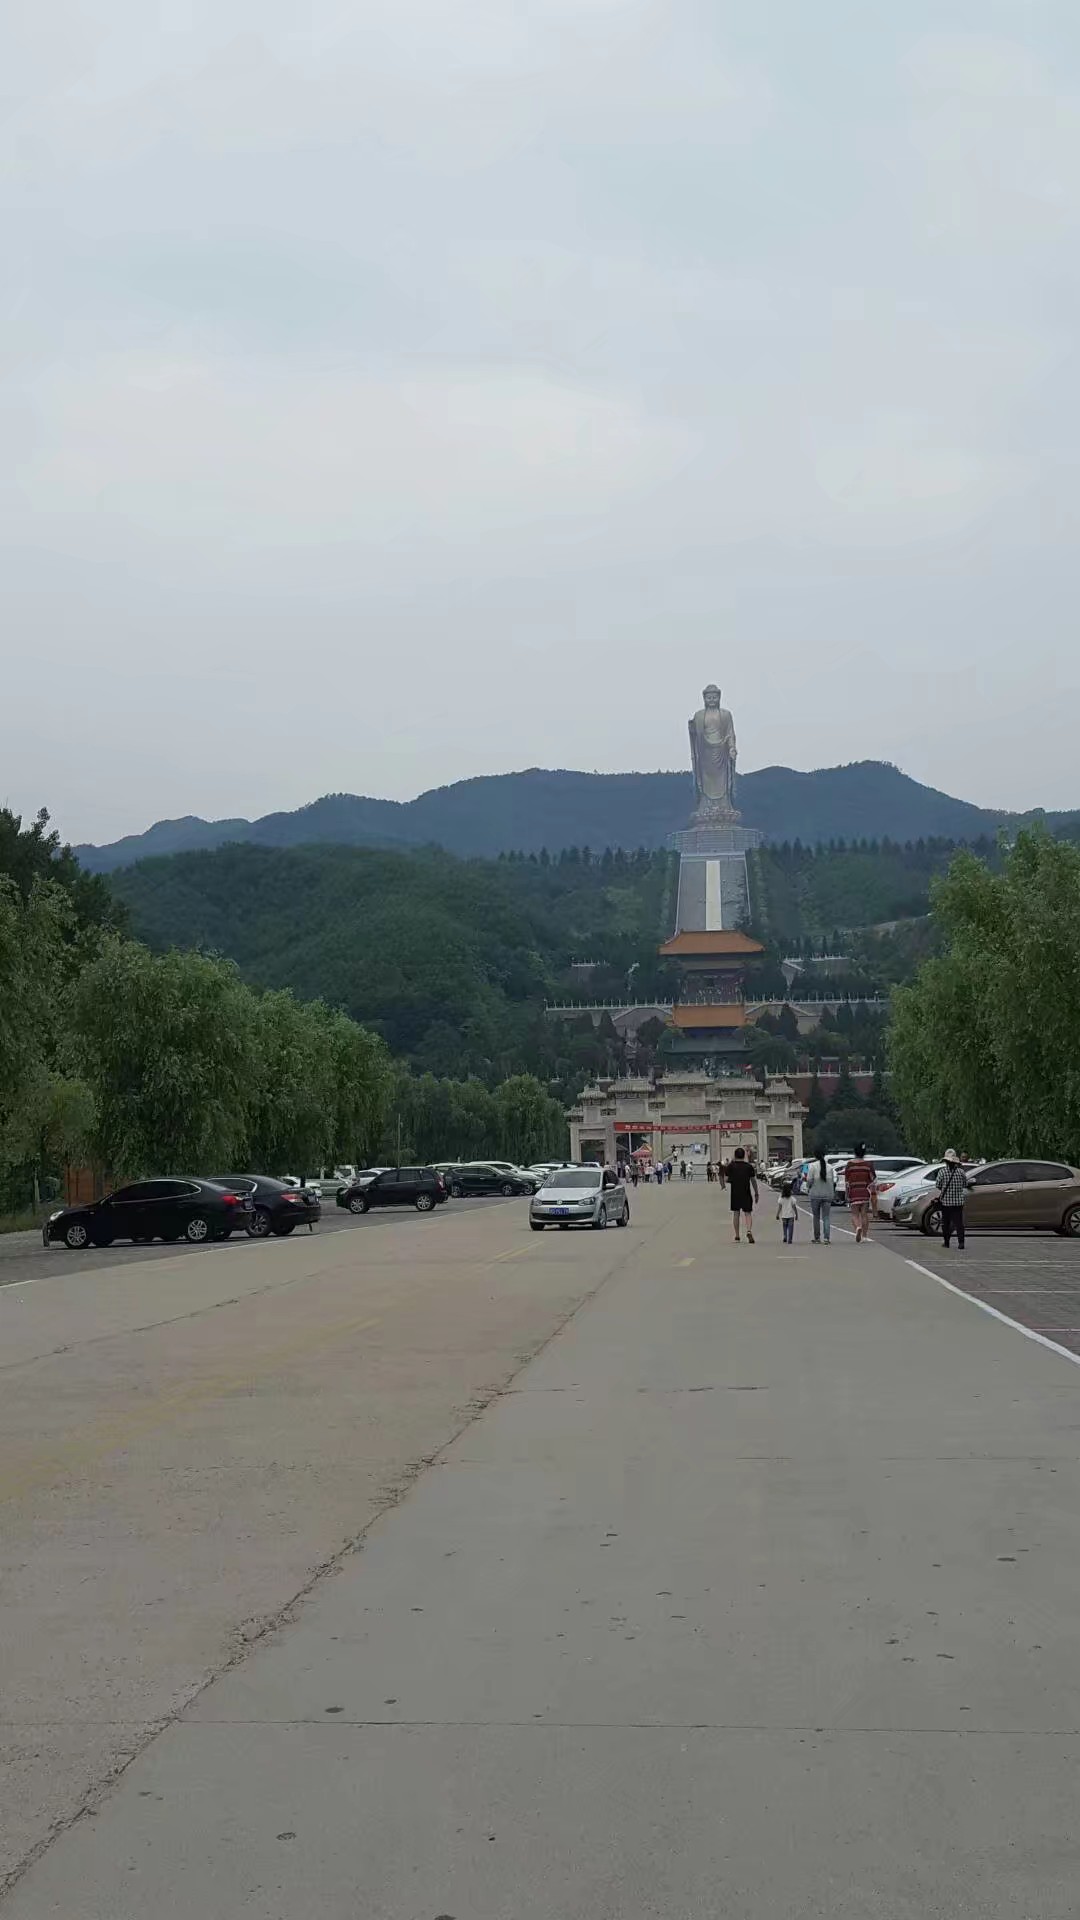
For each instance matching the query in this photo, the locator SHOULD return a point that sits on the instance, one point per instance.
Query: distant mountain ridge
(553, 808)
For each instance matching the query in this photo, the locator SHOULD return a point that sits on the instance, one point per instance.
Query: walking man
(859, 1179)
(952, 1184)
(741, 1182)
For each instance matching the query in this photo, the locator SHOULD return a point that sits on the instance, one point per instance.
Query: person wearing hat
(952, 1185)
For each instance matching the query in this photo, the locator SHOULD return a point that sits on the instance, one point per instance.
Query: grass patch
(28, 1218)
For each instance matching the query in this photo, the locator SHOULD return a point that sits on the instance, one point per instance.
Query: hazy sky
(399, 390)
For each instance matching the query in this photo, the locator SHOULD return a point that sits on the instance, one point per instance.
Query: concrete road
(189, 1435)
(753, 1595)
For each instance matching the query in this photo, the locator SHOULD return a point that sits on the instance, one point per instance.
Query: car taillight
(293, 1199)
(232, 1200)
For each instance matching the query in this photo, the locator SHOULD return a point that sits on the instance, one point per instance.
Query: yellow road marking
(108, 1436)
(686, 1263)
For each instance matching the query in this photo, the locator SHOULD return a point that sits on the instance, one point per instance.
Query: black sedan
(179, 1209)
(275, 1208)
(464, 1180)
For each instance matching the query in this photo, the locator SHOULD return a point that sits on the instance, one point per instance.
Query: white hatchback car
(579, 1197)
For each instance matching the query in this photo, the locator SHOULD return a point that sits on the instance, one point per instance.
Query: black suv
(194, 1210)
(419, 1187)
(466, 1179)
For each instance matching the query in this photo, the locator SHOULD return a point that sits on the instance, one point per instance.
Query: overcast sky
(400, 390)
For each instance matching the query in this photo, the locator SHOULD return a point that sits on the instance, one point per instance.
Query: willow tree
(985, 1044)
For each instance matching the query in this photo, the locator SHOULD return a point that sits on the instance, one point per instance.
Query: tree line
(146, 1062)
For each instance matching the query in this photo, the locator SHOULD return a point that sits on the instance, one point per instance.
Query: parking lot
(1033, 1278)
(22, 1256)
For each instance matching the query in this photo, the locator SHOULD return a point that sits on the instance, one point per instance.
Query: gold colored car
(1006, 1194)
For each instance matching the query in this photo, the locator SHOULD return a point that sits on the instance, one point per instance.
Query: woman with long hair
(819, 1192)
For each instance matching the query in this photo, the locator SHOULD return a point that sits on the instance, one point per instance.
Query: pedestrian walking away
(819, 1191)
(858, 1179)
(742, 1184)
(787, 1212)
(952, 1184)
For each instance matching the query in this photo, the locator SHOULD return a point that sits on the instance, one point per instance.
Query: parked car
(275, 1207)
(174, 1209)
(1006, 1194)
(419, 1187)
(579, 1197)
(332, 1178)
(894, 1187)
(475, 1177)
(883, 1165)
(362, 1178)
(509, 1167)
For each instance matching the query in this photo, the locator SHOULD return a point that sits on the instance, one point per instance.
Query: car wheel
(283, 1232)
(508, 1189)
(537, 1226)
(259, 1224)
(931, 1221)
(455, 1192)
(624, 1218)
(357, 1204)
(1071, 1223)
(76, 1236)
(425, 1202)
(197, 1230)
(601, 1218)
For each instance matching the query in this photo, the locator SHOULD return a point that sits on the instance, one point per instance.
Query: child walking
(787, 1212)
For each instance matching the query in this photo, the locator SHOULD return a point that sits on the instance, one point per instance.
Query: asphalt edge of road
(261, 1630)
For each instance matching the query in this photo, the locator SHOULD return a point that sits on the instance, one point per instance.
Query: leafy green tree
(289, 1107)
(39, 1095)
(168, 1049)
(985, 1045)
(787, 1024)
(847, 1126)
(359, 1089)
(33, 854)
(531, 1123)
(815, 1103)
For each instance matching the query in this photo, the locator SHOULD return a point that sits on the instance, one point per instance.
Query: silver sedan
(579, 1197)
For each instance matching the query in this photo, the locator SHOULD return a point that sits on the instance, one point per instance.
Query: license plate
(560, 1209)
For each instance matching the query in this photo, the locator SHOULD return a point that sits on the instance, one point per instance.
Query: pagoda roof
(716, 1016)
(720, 942)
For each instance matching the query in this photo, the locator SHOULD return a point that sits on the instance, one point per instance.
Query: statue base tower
(709, 945)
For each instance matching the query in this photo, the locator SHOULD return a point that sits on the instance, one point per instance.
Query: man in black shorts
(741, 1182)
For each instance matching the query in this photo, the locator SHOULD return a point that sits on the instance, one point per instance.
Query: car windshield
(574, 1177)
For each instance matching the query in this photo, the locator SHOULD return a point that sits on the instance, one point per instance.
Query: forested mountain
(556, 809)
(450, 960)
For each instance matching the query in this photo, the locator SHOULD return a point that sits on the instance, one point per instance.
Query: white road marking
(984, 1306)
